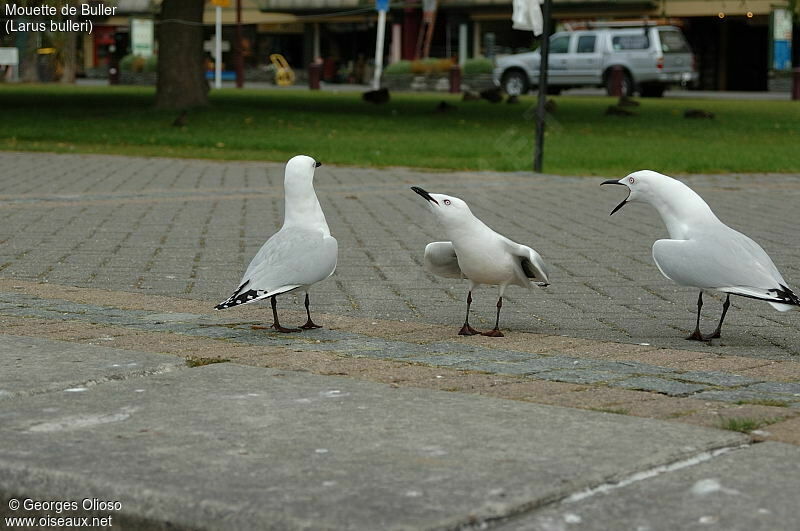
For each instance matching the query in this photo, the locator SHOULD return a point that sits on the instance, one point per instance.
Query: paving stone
(744, 490)
(788, 388)
(585, 376)
(743, 395)
(660, 385)
(233, 447)
(722, 379)
(35, 366)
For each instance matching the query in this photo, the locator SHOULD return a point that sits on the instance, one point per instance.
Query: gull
(479, 254)
(300, 254)
(703, 252)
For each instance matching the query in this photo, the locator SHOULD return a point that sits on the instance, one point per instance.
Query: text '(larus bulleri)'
(300, 254)
(479, 254)
(703, 252)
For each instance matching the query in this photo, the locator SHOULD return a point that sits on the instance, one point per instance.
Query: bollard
(314, 75)
(113, 71)
(796, 84)
(455, 79)
(616, 81)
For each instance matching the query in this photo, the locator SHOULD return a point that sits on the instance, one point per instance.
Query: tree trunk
(28, 72)
(68, 41)
(181, 69)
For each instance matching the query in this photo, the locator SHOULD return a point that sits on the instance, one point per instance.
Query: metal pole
(543, 64)
(397, 42)
(239, 50)
(218, 49)
(376, 80)
(462, 44)
(317, 53)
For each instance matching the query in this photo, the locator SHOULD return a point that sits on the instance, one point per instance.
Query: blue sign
(382, 5)
(782, 55)
(781, 39)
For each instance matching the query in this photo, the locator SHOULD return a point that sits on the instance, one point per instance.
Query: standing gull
(703, 252)
(302, 253)
(479, 254)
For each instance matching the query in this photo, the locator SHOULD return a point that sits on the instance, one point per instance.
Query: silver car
(651, 57)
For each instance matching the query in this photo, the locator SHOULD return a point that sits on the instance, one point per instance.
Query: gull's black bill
(424, 194)
(624, 201)
(318, 164)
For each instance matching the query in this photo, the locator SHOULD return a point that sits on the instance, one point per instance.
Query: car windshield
(672, 41)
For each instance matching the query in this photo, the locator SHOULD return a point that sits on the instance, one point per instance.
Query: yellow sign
(221, 3)
(284, 75)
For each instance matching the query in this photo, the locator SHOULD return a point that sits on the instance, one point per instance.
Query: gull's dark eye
(631, 180)
(446, 201)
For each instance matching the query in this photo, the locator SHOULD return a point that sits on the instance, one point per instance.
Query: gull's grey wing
(532, 267)
(731, 264)
(441, 260)
(292, 256)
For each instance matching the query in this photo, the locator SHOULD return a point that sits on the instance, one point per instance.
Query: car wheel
(515, 83)
(627, 84)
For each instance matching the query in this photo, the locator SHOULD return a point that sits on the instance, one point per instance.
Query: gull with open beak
(703, 252)
(479, 254)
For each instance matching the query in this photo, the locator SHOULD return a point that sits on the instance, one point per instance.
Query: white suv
(652, 57)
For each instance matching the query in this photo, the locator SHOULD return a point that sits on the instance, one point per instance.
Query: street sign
(142, 36)
(9, 56)
(382, 5)
(208, 46)
(221, 3)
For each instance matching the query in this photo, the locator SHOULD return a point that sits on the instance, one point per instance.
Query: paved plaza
(110, 268)
(187, 228)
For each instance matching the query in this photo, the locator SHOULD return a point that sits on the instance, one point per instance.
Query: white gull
(703, 252)
(479, 254)
(300, 254)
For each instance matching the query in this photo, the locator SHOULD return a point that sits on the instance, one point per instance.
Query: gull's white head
(300, 169)
(645, 186)
(446, 207)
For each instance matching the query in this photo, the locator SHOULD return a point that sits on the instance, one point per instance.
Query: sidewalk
(122, 382)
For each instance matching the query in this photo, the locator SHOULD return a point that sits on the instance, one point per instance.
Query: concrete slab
(33, 365)
(749, 489)
(232, 447)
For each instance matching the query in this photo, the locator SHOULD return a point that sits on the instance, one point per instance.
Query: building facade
(735, 41)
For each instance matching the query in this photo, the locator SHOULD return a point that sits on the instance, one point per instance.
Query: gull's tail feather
(241, 298)
(253, 295)
(789, 301)
(782, 298)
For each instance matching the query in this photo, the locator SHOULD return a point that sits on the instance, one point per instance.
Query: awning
(311, 5)
(251, 14)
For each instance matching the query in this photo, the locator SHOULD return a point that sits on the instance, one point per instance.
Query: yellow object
(45, 51)
(221, 3)
(284, 75)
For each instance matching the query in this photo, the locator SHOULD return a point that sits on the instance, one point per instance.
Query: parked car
(652, 58)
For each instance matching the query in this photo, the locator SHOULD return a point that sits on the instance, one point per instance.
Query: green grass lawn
(745, 136)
